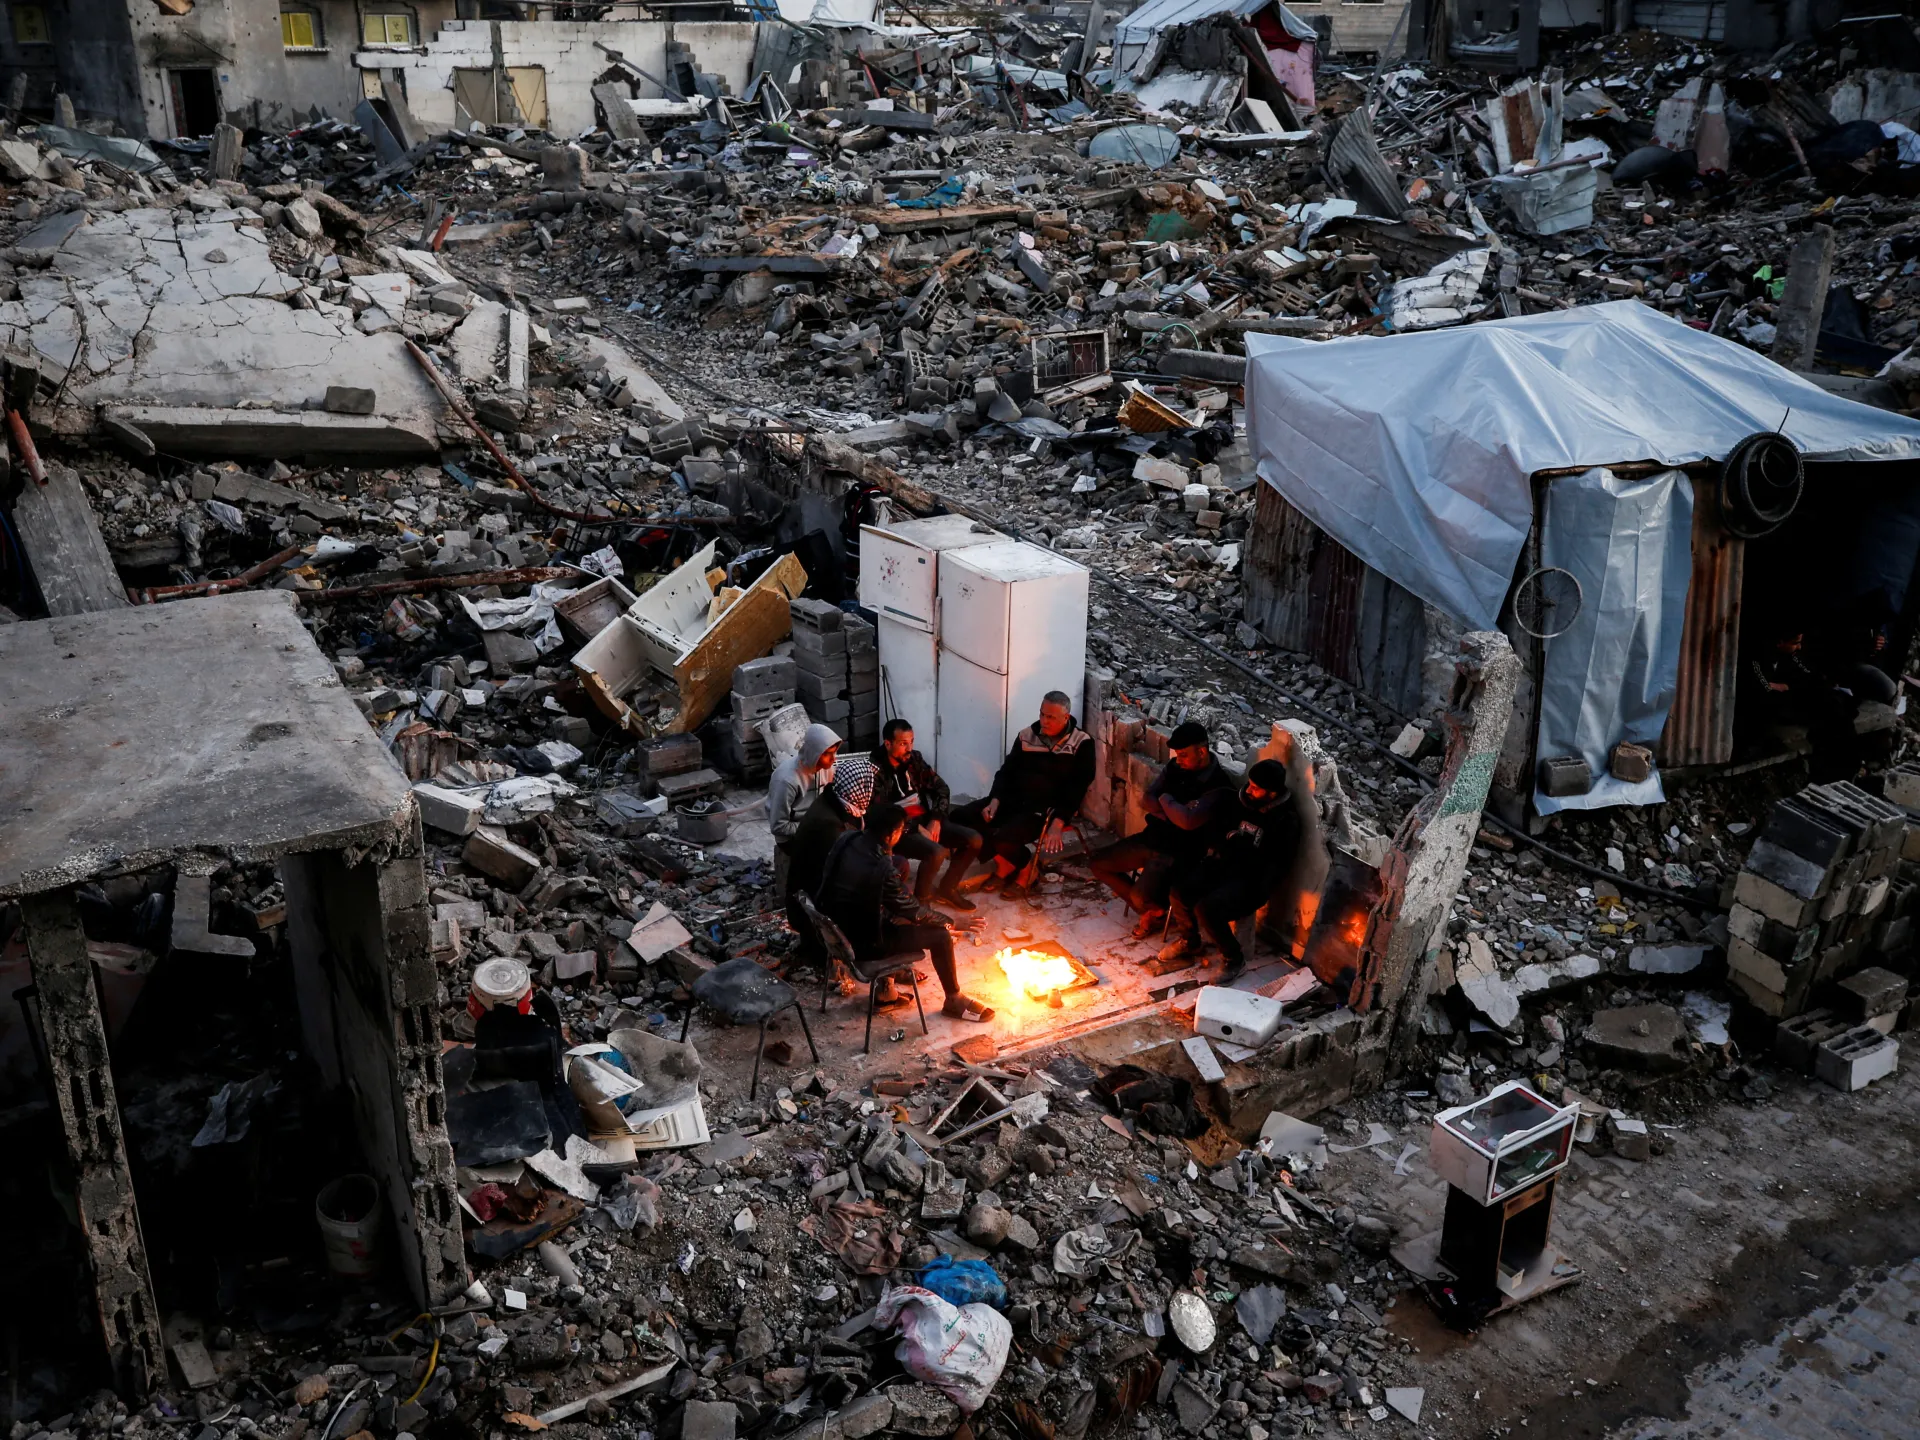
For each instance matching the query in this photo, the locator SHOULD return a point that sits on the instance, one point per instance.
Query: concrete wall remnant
(172, 735)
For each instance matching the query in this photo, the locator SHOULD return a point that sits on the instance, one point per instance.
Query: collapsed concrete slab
(181, 325)
(170, 737)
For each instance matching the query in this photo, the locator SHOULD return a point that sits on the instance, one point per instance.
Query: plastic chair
(834, 941)
(745, 993)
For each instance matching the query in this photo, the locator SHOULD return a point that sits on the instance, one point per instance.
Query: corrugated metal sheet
(1689, 19)
(1700, 723)
(1306, 592)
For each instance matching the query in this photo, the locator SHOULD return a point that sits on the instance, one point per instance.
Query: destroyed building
(460, 491)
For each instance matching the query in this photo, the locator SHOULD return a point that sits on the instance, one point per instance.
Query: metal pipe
(252, 576)
(525, 575)
(23, 442)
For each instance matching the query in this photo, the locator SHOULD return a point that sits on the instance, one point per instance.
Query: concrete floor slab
(215, 724)
(186, 313)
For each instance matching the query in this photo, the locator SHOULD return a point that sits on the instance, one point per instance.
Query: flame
(1036, 972)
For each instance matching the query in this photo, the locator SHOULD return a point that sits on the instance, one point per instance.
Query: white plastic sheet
(1610, 676)
(1415, 452)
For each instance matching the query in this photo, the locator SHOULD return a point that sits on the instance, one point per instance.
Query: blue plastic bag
(965, 1282)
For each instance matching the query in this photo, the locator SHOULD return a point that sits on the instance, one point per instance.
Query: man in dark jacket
(863, 894)
(934, 838)
(1037, 790)
(838, 809)
(1185, 807)
(1259, 838)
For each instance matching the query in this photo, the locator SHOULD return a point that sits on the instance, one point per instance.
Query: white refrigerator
(1012, 626)
(900, 584)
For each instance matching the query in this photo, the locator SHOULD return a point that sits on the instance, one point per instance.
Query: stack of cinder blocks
(1820, 894)
(760, 687)
(863, 685)
(820, 652)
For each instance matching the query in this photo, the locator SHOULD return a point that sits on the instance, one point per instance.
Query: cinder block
(750, 708)
(769, 675)
(814, 688)
(449, 810)
(1869, 994)
(816, 617)
(819, 643)
(1903, 785)
(1856, 1058)
(1793, 873)
(1774, 901)
(669, 755)
(1797, 1040)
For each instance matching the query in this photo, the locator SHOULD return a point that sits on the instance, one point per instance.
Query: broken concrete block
(709, 1419)
(448, 810)
(1640, 1037)
(866, 1416)
(922, 1410)
(302, 219)
(1631, 763)
(348, 400)
(1632, 1140)
(491, 853)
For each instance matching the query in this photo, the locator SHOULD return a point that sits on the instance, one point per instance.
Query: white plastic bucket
(348, 1210)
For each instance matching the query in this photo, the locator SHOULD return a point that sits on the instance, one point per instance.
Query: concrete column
(82, 1082)
(1803, 304)
(1428, 859)
(363, 945)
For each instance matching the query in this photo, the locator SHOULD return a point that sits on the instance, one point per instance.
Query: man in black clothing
(1185, 805)
(934, 838)
(1260, 837)
(862, 893)
(837, 809)
(1036, 791)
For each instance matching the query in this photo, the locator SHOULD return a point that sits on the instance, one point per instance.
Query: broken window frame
(316, 41)
(386, 21)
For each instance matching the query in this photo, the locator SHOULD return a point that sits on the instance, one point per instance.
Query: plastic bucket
(784, 730)
(348, 1210)
(500, 982)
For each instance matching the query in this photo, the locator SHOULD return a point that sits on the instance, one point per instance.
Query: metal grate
(1062, 358)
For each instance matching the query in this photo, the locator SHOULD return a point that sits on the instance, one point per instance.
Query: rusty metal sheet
(1699, 728)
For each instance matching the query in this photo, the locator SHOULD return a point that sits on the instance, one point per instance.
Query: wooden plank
(62, 539)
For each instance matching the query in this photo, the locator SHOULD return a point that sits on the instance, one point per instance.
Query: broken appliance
(1500, 1156)
(692, 631)
(973, 630)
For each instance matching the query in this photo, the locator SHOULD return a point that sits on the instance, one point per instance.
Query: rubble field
(471, 409)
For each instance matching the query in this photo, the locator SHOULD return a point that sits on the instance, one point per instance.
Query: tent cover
(1416, 452)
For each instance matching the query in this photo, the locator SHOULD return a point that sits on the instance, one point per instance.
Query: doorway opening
(196, 102)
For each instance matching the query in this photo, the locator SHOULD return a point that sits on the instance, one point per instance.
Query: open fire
(1038, 973)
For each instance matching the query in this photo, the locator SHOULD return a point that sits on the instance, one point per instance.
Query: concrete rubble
(558, 446)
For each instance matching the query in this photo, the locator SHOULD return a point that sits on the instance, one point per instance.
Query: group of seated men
(844, 825)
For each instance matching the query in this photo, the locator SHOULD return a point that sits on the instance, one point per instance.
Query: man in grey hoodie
(799, 778)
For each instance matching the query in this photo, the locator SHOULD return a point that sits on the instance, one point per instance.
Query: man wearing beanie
(1260, 837)
(1185, 807)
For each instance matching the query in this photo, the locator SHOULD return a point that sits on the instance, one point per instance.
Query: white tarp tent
(1416, 453)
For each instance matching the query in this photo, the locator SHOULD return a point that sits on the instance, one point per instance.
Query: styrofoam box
(1236, 1015)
